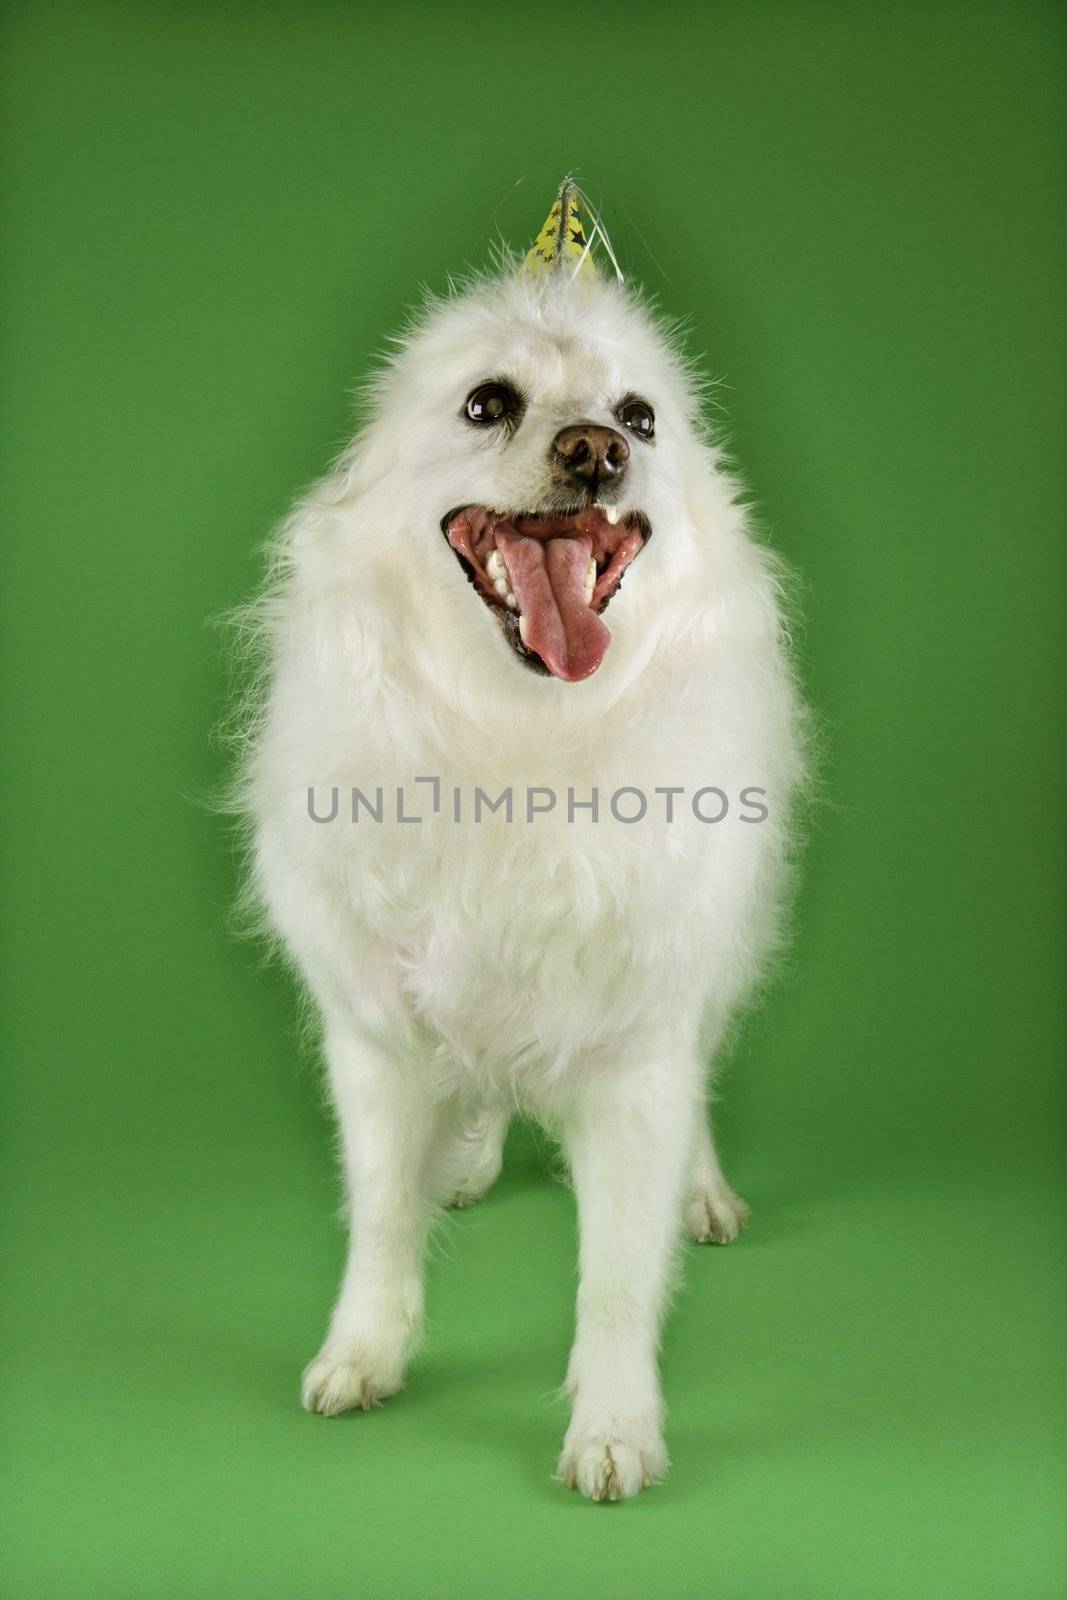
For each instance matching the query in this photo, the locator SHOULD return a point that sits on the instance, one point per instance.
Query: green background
(214, 215)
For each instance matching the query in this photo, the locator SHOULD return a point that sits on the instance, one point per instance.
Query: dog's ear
(740, 582)
(371, 456)
(708, 492)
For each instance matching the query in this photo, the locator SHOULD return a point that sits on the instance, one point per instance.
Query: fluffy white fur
(583, 973)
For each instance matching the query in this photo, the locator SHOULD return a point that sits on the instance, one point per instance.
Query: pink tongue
(547, 576)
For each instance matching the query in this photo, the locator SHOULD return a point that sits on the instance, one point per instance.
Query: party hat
(561, 244)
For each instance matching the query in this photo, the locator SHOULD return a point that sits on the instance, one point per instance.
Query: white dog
(594, 880)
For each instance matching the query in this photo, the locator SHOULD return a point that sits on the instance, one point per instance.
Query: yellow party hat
(561, 242)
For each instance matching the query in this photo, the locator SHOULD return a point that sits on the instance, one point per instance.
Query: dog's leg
(388, 1130)
(472, 1156)
(714, 1214)
(628, 1144)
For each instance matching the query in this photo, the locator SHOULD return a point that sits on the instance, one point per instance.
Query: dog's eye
(638, 416)
(491, 403)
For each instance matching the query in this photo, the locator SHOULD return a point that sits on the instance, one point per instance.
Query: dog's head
(536, 443)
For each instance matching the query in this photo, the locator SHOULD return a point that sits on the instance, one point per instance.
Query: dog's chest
(523, 942)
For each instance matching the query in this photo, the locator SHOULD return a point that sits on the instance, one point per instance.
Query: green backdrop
(214, 214)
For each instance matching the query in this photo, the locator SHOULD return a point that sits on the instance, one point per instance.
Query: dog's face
(544, 433)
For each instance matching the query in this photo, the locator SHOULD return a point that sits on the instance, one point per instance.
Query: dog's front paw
(347, 1378)
(614, 1462)
(715, 1216)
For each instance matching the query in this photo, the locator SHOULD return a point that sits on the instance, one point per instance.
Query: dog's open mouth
(548, 577)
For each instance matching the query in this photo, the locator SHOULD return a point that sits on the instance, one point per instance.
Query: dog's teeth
(522, 628)
(495, 566)
(511, 602)
(501, 586)
(612, 514)
(590, 580)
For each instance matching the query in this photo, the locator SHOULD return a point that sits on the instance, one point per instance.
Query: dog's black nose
(591, 454)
